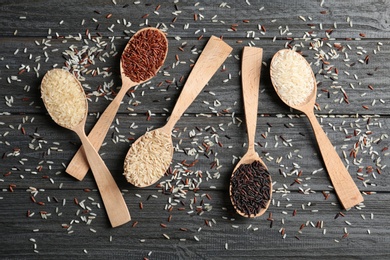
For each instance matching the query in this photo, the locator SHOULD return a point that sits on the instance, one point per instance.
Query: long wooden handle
(213, 55)
(346, 189)
(113, 200)
(78, 166)
(250, 78)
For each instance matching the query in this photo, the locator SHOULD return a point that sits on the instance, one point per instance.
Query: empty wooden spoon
(65, 100)
(250, 184)
(296, 85)
(143, 56)
(150, 155)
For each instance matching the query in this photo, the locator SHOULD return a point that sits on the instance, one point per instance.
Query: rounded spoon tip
(64, 98)
(148, 158)
(143, 56)
(293, 79)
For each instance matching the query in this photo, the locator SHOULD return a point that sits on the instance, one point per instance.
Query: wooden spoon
(78, 167)
(213, 55)
(113, 200)
(250, 76)
(346, 189)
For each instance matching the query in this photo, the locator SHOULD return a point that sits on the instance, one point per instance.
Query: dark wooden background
(39, 216)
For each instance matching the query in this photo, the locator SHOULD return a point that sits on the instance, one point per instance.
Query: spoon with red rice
(141, 59)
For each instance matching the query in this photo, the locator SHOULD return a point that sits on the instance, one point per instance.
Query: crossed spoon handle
(79, 165)
(150, 64)
(112, 197)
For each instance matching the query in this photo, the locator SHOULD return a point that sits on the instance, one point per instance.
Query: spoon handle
(250, 77)
(78, 166)
(113, 200)
(346, 189)
(213, 55)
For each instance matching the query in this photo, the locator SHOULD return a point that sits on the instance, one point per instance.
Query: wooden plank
(367, 17)
(286, 145)
(360, 88)
(353, 97)
(231, 236)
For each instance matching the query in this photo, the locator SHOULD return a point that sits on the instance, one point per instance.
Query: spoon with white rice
(65, 100)
(295, 84)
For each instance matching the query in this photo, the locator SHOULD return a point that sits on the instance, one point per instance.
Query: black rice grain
(250, 188)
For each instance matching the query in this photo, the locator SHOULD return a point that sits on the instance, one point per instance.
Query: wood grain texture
(368, 17)
(44, 209)
(330, 96)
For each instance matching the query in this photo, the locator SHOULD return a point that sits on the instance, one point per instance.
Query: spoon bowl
(287, 64)
(250, 184)
(304, 98)
(130, 63)
(68, 107)
(154, 146)
(145, 155)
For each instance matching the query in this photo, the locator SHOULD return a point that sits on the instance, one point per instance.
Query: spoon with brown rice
(150, 155)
